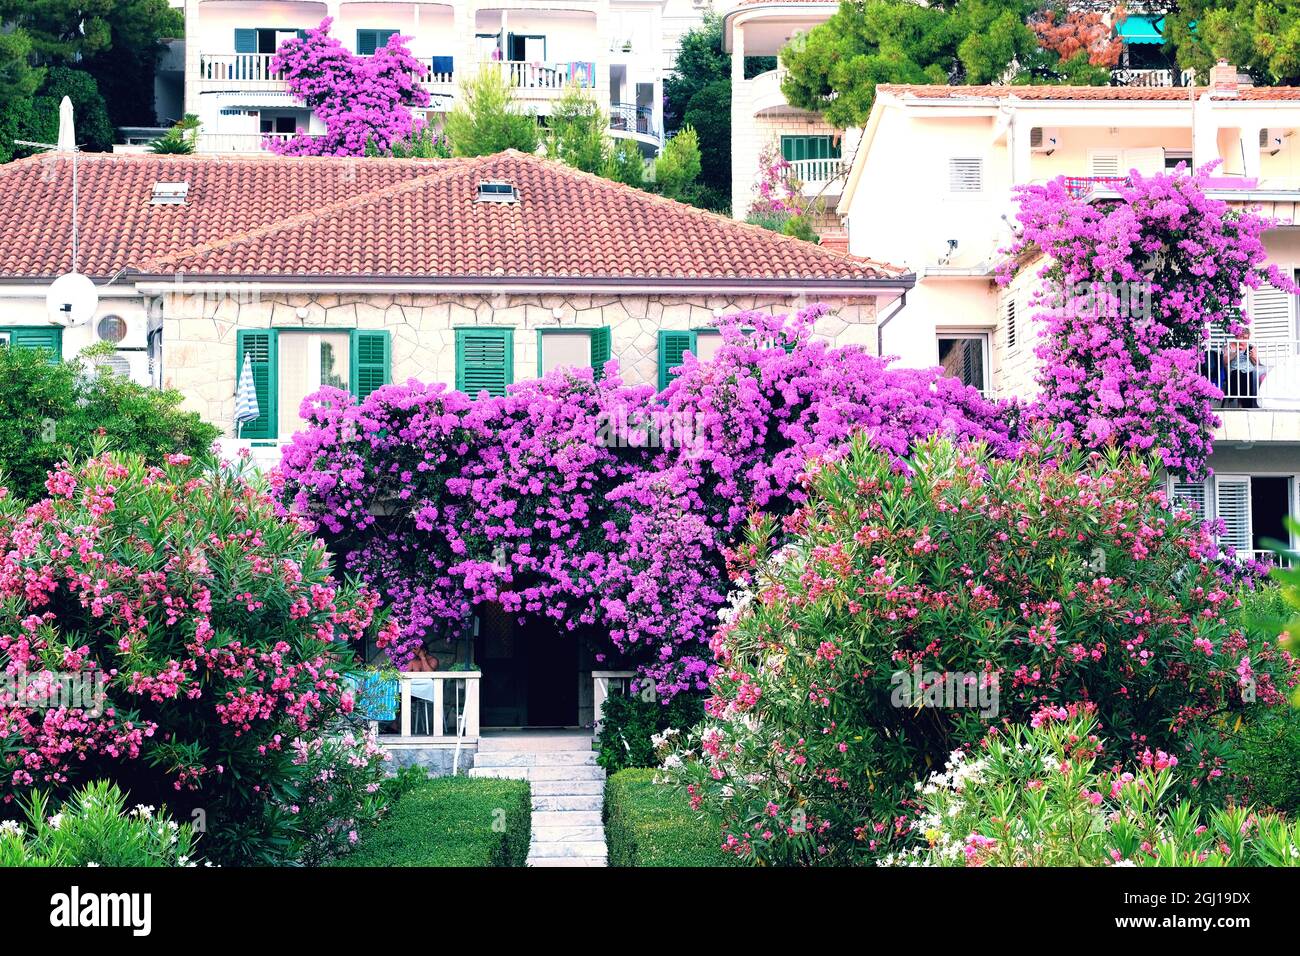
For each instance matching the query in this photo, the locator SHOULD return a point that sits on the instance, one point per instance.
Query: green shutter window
(371, 362)
(795, 148)
(49, 338)
(673, 344)
(260, 345)
(367, 42)
(600, 350)
(484, 361)
(245, 41)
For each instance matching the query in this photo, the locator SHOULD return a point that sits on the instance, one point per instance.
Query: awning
(253, 99)
(1142, 29)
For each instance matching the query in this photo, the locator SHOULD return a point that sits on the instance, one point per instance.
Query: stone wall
(200, 331)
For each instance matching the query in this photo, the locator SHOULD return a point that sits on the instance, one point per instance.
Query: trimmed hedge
(628, 722)
(649, 824)
(452, 821)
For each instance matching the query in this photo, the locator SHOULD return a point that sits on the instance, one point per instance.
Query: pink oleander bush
(1050, 795)
(364, 101)
(215, 640)
(916, 604)
(598, 503)
(1128, 295)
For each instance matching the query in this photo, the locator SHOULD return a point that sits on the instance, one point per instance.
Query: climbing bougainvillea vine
(593, 502)
(1131, 289)
(360, 99)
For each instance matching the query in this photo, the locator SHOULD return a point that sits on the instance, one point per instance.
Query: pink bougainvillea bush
(1129, 293)
(162, 627)
(597, 503)
(912, 609)
(360, 99)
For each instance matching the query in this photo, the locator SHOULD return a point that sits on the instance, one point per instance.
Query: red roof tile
(345, 218)
(1115, 93)
(566, 225)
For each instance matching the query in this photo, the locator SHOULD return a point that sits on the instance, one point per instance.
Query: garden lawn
(649, 824)
(452, 821)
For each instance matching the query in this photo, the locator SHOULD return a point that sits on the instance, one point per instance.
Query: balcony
(629, 121)
(1255, 374)
(819, 177)
(252, 71)
(1157, 78)
(238, 142)
(546, 79)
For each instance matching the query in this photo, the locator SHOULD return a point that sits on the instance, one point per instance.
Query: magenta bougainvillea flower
(361, 99)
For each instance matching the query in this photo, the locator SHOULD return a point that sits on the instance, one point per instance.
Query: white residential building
(932, 182)
(620, 49)
(760, 115)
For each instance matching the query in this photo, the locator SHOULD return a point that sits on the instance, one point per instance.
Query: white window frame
(985, 337)
(1211, 499)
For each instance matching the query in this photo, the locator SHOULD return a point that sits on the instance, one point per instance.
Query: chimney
(1223, 78)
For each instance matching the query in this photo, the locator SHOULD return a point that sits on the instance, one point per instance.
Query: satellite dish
(72, 300)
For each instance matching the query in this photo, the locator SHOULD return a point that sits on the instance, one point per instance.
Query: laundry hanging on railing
(583, 73)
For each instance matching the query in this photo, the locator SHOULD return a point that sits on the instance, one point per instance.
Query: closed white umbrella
(67, 133)
(246, 407)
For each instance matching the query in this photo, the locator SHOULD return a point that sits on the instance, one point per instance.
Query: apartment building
(619, 49)
(932, 183)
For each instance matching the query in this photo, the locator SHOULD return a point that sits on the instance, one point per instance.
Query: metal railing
(629, 117)
(1246, 370)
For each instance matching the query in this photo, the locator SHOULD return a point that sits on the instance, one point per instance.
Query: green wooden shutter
(371, 361)
(245, 41)
(260, 343)
(49, 338)
(367, 42)
(484, 360)
(672, 345)
(383, 36)
(600, 349)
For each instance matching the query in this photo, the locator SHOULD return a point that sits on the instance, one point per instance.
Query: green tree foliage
(93, 126)
(626, 164)
(423, 143)
(1260, 36)
(19, 82)
(125, 71)
(709, 113)
(678, 165)
(578, 134)
(835, 67)
(486, 119)
(700, 61)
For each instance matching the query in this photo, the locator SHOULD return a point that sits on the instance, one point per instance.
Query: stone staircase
(568, 792)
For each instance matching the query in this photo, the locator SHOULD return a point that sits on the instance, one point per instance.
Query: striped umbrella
(246, 407)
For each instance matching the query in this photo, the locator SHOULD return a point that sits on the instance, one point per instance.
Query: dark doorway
(1270, 503)
(530, 671)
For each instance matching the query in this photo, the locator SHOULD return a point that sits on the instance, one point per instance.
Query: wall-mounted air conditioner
(1044, 139)
(1271, 140)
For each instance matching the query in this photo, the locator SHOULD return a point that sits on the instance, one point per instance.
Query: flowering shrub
(1130, 291)
(202, 633)
(917, 604)
(364, 101)
(595, 502)
(1043, 796)
(94, 828)
(340, 796)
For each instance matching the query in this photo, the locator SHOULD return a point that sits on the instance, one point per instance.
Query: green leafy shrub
(452, 821)
(93, 828)
(1041, 795)
(94, 128)
(629, 723)
(51, 412)
(918, 603)
(650, 824)
(1268, 760)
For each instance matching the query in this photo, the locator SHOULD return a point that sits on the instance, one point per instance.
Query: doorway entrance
(530, 671)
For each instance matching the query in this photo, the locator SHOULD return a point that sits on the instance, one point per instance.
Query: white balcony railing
(1159, 78)
(817, 172)
(238, 142)
(546, 76)
(435, 704)
(607, 684)
(1255, 373)
(238, 68)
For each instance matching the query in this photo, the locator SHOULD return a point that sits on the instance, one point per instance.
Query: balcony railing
(817, 171)
(238, 142)
(548, 76)
(1158, 78)
(607, 684)
(431, 704)
(252, 68)
(630, 118)
(1255, 373)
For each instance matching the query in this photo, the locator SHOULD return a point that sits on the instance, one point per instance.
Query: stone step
(567, 788)
(568, 861)
(566, 773)
(500, 773)
(544, 758)
(567, 818)
(579, 848)
(566, 834)
(565, 803)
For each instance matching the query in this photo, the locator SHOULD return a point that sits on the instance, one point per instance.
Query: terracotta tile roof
(566, 225)
(374, 218)
(119, 227)
(1113, 93)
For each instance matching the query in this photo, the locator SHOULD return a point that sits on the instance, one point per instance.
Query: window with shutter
(370, 41)
(965, 175)
(45, 337)
(965, 356)
(601, 349)
(260, 345)
(371, 361)
(794, 148)
(673, 345)
(1232, 507)
(1189, 495)
(1009, 318)
(484, 360)
(245, 41)
(1272, 313)
(1105, 162)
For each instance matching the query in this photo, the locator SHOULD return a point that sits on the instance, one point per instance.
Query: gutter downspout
(880, 326)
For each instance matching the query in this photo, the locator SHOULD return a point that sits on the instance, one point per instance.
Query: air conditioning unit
(1044, 139)
(130, 335)
(1271, 140)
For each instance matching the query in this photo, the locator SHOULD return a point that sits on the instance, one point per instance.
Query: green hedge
(649, 824)
(452, 821)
